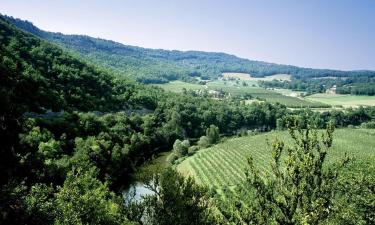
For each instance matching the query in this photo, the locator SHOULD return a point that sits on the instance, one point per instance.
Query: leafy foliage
(355, 194)
(85, 200)
(177, 200)
(301, 191)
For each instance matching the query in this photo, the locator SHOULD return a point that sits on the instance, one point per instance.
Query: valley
(94, 131)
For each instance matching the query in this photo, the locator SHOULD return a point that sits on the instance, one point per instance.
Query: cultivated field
(248, 77)
(238, 89)
(343, 100)
(222, 166)
(178, 86)
(288, 92)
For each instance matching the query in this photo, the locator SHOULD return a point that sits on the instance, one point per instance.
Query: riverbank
(137, 187)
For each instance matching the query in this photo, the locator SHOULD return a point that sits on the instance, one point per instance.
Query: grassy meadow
(222, 166)
(288, 92)
(343, 100)
(248, 77)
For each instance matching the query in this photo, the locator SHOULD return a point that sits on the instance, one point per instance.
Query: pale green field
(178, 86)
(248, 77)
(288, 92)
(223, 165)
(343, 100)
(236, 89)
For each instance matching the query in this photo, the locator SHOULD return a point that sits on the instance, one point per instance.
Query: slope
(37, 77)
(223, 165)
(160, 66)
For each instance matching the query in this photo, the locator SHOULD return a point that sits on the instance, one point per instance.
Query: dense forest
(160, 66)
(72, 133)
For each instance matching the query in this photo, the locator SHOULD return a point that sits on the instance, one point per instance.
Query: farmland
(289, 92)
(248, 77)
(238, 89)
(287, 97)
(222, 166)
(343, 100)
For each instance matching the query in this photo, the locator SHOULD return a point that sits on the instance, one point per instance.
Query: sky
(333, 34)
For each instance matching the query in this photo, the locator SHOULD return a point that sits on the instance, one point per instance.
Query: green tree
(180, 148)
(85, 200)
(354, 201)
(204, 142)
(177, 200)
(300, 189)
(213, 134)
(39, 204)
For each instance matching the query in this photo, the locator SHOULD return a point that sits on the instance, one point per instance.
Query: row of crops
(223, 166)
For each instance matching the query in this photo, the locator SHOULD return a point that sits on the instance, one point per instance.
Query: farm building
(331, 90)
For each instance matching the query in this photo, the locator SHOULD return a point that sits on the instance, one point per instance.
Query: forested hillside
(160, 66)
(70, 130)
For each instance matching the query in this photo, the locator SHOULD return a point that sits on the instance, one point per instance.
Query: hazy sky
(338, 34)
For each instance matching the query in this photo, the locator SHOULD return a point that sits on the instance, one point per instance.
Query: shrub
(193, 149)
(180, 148)
(213, 134)
(204, 142)
(368, 125)
(172, 158)
(299, 190)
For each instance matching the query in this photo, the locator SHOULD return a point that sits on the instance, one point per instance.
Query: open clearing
(288, 92)
(238, 89)
(178, 86)
(248, 77)
(223, 165)
(343, 100)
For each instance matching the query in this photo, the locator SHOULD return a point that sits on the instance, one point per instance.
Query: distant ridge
(160, 66)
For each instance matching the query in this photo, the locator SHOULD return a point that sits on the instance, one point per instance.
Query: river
(137, 187)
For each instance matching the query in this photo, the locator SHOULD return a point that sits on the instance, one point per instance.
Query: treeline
(161, 66)
(356, 85)
(340, 118)
(357, 89)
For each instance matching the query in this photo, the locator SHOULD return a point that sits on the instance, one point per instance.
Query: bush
(83, 199)
(193, 149)
(177, 200)
(204, 142)
(172, 158)
(368, 125)
(213, 134)
(180, 148)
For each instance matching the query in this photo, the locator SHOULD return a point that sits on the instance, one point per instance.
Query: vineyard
(222, 166)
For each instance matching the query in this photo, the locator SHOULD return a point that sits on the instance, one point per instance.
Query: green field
(288, 92)
(222, 166)
(178, 86)
(248, 77)
(237, 89)
(343, 100)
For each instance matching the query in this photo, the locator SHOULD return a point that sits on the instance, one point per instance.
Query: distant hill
(160, 66)
(37, 76)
